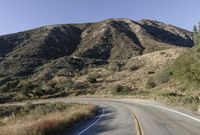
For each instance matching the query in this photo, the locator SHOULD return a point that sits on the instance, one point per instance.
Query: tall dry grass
(53, 123)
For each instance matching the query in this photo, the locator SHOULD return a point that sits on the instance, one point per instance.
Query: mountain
(70, 49)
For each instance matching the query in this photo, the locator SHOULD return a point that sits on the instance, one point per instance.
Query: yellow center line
(139, 130)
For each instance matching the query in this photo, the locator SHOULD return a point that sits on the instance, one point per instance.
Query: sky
(20, 15)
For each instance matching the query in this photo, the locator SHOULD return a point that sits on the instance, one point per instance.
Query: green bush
(37, 91)
(60, 86)
(191, 100)
(163, 76)
(4, 88)
(69, 84)
(8, 86)
(169, 94)
(186, 68)
(26, 84)
(91, 79)
(25, 93)
(2, 98)
(28, 89)
(27, 108)
(120, 89)
(150, 83)
(7, 111)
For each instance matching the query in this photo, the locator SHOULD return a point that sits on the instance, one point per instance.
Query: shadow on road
(97, 128)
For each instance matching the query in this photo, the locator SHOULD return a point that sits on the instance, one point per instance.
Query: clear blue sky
(19, 15)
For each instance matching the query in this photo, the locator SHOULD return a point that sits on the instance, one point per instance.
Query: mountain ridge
(86, 23)
(68, 49)
(118, 38)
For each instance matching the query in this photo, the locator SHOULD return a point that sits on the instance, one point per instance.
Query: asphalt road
(130, 117)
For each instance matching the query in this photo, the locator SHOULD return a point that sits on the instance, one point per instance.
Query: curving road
(133, 117)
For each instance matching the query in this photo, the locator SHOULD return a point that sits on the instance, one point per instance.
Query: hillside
(180, 80)
(31, 61)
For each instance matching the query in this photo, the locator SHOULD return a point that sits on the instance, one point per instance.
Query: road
(132, 117)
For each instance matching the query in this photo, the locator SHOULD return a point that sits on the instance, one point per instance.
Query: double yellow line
(139, 130)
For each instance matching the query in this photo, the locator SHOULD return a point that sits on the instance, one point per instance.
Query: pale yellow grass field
(51, 123)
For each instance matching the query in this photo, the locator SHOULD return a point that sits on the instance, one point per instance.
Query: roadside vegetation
(42, 119)
(182, 77)
(185, 70)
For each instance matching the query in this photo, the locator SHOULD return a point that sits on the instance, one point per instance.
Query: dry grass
(52, 124)
(148, 64)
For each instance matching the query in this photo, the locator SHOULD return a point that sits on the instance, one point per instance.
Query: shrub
(170, 94)
(163, 76)
(28, 88)
(27, 108)
(9, 86)
(4, 88)
(7, 111)
(191, 100)
(25, 93)
(120, 89)
(91, 79)
(115, 66)
(186, 68)
(69, 84)
(38, 91)
(150, 83)
(26, 84)
(2, 98)
(133, 67)
(59, 86)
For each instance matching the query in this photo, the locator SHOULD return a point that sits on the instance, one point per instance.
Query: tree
(91, 79)
(198, 28)
(195, 29)
(196, 34)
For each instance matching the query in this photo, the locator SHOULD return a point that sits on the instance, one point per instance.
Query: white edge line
(188, 116)
(92, 123)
